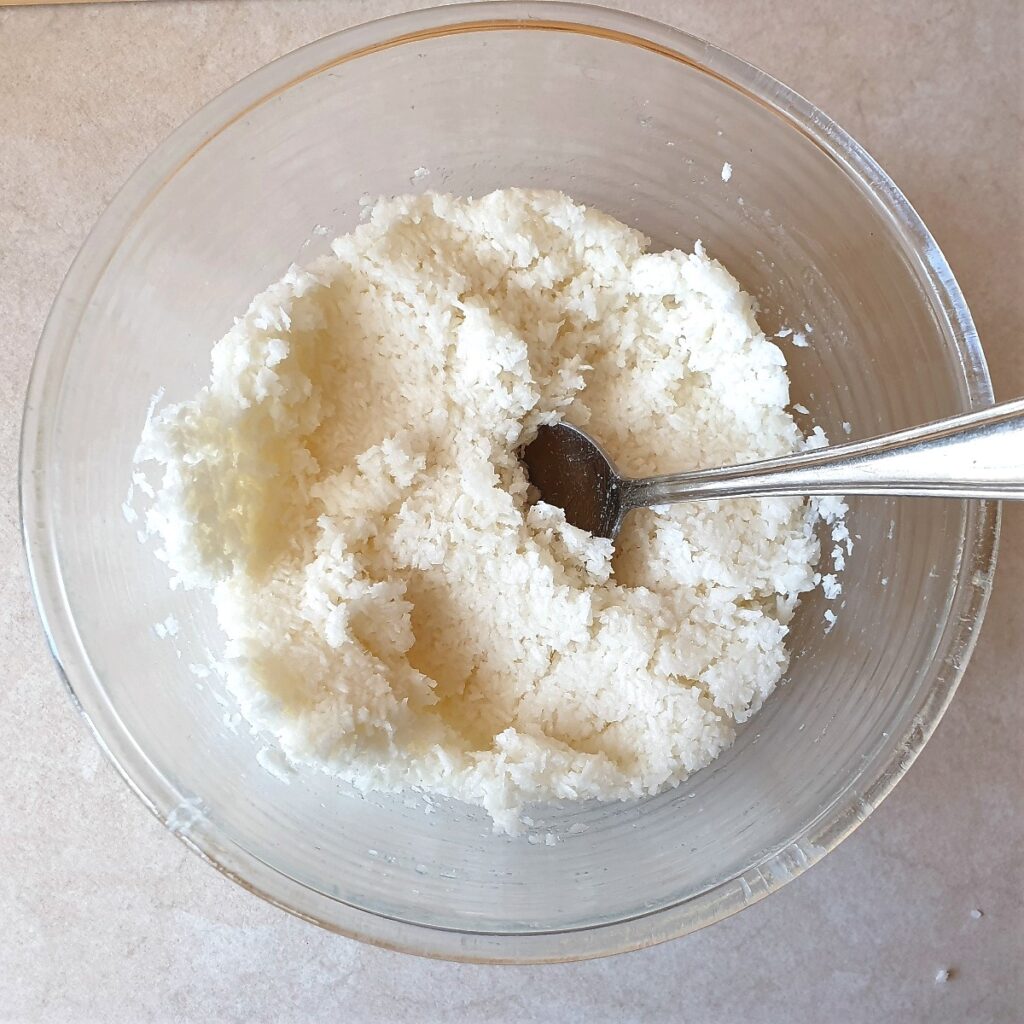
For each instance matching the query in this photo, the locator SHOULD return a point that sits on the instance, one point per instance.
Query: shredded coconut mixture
(396, 611)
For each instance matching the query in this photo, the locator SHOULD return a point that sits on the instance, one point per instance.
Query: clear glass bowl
(639, 120)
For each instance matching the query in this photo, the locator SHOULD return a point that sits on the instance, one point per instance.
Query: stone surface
(107, 917)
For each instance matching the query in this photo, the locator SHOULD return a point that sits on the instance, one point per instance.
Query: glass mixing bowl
(639, 120)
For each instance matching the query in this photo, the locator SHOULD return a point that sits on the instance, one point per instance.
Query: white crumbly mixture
(397, 612)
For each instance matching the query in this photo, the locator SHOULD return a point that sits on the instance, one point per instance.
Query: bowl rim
(178, 811)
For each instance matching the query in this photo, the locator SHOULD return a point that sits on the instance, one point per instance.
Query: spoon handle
(977, 455)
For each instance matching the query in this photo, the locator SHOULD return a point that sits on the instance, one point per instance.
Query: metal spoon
(979, 455)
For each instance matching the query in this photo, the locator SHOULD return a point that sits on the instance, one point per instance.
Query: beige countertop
(106, 917)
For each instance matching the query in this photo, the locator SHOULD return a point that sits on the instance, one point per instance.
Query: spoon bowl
(572, 471)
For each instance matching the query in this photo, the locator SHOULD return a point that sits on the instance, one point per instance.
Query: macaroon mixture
(397, 611)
